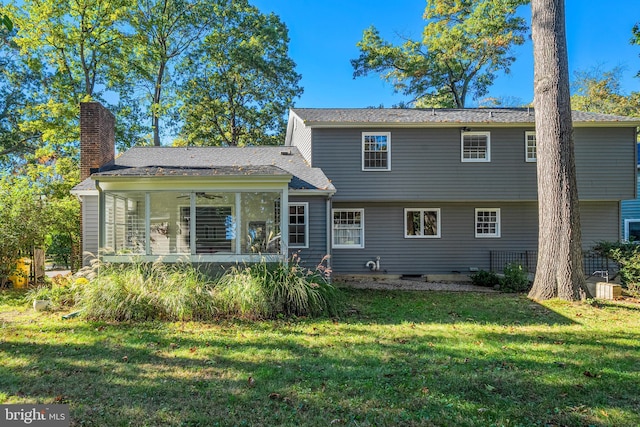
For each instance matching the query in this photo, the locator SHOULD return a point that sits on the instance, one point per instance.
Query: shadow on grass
(318, 372)
(450, 307)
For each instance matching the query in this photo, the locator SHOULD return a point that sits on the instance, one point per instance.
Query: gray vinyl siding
(317, 217)
(90, 230)
(301, 138)
(426, 165)
(630, 210)
(600, 222)
(458, 250)
(606, 165)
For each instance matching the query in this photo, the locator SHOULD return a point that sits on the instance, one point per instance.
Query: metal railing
(591, 260)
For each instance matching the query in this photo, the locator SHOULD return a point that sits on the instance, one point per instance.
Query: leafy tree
(559, 272)
(23, 222)
(464, 44)
(19, 87)
(600, 91)
(76, 44)
(163, 31)
(6, 22)
(243, 81)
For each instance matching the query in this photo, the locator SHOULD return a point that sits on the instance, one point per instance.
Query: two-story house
(401, 191)
(437, 190)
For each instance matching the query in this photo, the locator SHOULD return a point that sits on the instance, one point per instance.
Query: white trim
(498, 232)
(526, 147)
(303, 192)
(422, 211)
(626, 227)
(333, 229)
(81, 193)
(487, 158)
(306, 225)
(172, 258)
(370, 169)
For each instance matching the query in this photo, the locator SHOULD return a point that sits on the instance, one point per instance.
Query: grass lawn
(398, 358)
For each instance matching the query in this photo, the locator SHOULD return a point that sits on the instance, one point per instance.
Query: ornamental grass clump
(269, 290)
(148, 291)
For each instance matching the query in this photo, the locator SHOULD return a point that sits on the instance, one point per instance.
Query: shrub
(62, 291)
(147, 291)
(267, 290)
(516, 278)
(627, 256)
(484, 278)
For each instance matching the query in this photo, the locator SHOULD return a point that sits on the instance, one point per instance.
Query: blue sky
(324, 34)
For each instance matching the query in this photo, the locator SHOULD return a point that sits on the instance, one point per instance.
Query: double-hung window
(298, 225)
(530, 148)
(348, 228)
(421, 223)
(376, 151)
(476, 146)
(487, 222)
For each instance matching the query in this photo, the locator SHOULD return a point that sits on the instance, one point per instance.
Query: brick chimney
(97, 137)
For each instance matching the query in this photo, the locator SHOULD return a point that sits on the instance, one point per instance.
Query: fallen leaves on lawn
(280, 398)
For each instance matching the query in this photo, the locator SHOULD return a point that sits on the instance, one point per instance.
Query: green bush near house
(485, 278)
(62, 291)
(627, 256)
(515, 279)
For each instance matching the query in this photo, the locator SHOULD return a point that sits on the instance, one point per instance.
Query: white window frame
(487, 157)
(372, 169)
(498, 232)
(527, 158)
(422, 212)
(626, 229)
(305, 205)
(333, 229)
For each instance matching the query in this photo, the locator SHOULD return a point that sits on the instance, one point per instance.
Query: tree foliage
(464, 45)
(132, 53)
(600, 91)
(19, 87)
(75, 45)
(241, 81)
(163, 31)
(21, 225)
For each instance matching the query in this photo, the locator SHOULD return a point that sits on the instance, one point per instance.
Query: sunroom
(217, 215)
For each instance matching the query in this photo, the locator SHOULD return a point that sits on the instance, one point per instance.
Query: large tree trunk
(559, 271)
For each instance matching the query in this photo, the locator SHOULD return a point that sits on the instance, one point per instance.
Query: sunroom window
(190, 223)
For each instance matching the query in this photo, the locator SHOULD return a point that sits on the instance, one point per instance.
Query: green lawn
(397, 358)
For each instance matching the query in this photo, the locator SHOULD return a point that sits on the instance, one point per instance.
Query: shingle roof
(340, 117)
(214, 161)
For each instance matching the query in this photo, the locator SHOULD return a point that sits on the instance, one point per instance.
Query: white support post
(192, 223)
(284, 223)
(238, 224)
